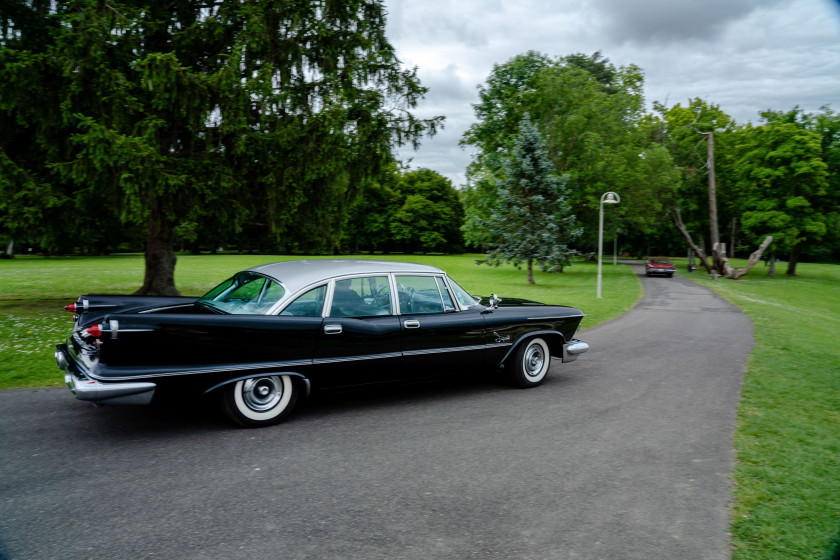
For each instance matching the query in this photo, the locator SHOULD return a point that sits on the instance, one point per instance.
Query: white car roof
(296, 275)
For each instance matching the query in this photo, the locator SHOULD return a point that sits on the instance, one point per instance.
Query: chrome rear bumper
(86, 388)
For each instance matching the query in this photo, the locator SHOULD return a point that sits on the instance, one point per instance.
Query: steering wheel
(382, 297)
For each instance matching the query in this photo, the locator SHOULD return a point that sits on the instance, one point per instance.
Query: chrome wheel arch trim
(306, 383)
(532, 334)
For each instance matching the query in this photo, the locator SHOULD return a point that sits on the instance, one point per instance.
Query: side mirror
(494, 301)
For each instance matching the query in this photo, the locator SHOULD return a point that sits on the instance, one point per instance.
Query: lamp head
(611, 198)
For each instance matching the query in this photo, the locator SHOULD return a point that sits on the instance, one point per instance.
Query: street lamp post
(609, 198)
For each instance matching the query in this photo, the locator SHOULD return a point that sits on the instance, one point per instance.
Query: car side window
(421, 295)
(308, 304)
(364, 296)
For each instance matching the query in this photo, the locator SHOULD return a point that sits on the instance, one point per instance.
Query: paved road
(624, 454)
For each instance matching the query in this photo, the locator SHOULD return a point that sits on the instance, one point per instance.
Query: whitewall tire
(530, 363)
(260, 401)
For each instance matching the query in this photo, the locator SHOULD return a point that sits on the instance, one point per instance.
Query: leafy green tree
(825, 123)
(369, 219)
(479, 197)
(598, 136)
(431, 215)
(533, 221)
(783, 177)
(266, 115)
(686, 136)
(502, 104)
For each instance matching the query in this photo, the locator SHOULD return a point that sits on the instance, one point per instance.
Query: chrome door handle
(332, 329)
(412, 324)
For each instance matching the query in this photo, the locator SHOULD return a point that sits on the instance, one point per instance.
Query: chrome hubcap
(534, 360)
(262, 393)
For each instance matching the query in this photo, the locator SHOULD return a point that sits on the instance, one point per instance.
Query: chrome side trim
(321, 361)
(221, 369)
(164, 308)
(444, 350)
(256, 367)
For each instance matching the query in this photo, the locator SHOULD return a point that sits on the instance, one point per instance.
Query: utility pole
(713, 217)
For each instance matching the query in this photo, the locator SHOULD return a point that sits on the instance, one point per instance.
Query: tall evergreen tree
(263, 115)
(533, 221)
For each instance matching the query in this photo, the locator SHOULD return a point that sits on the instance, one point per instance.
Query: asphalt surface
(623, 454)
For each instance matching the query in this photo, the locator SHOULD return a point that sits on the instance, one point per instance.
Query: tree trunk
(160, 260)
(531, 272)
(732, 238)
(794, 258)
(723, 267)
(736, 273)
(771, 271)
(701, 256)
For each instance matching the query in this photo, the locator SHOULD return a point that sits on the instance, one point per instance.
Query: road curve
(623, 454)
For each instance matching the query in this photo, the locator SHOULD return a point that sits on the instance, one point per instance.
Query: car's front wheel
(530, 363)
(260, 401)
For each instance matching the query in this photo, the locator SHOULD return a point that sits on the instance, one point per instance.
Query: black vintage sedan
(272, 333)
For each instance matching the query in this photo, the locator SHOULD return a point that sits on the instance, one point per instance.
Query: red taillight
(95, 331)
(71, 308)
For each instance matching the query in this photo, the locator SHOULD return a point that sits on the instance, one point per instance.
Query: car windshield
(660, 261)
(247, 293)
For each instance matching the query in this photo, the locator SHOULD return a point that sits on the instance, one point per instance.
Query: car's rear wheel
(530, 363)
(260, 401)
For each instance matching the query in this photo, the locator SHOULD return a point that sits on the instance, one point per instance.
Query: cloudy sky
(743, 55)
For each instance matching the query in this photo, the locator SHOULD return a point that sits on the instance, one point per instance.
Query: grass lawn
(34, 291)
(787, 494)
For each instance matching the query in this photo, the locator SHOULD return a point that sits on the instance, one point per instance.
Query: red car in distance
(659, 265)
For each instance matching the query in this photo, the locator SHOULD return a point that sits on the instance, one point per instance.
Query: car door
(359, 341)
(437, 339)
